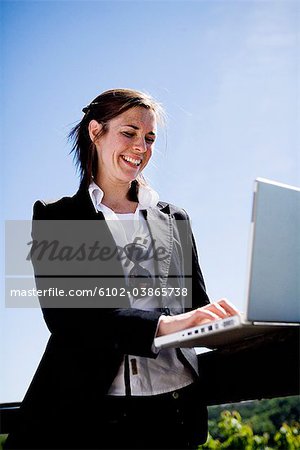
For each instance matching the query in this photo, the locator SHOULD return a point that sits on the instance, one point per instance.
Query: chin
(129, 177)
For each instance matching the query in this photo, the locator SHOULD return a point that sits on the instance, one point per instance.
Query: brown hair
(103, 108)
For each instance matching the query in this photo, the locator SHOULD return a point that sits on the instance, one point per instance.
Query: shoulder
(52, 209)
(77, 207)
(45, 209)
(175, 211)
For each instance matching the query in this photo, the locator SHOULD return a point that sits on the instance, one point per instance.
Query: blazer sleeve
(126, 330)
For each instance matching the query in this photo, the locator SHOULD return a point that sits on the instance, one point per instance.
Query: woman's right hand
(208, 313)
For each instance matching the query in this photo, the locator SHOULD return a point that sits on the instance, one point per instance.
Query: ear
(94, 129)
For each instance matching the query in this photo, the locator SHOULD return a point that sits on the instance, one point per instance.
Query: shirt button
(175, 395)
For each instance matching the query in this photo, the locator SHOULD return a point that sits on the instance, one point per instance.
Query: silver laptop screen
(274, 285)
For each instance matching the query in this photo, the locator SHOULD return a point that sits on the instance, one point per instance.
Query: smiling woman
(101, 374)
(115, 139)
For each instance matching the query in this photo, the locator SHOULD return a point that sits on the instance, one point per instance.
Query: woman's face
(126, 147)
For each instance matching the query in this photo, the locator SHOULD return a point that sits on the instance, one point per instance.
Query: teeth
(137, 162)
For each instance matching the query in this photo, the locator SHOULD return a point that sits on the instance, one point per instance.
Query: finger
(217, 309)
(228, 306)
(204, 321)
(207, 314)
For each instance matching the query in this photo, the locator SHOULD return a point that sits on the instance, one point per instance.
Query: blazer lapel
(161, 229)
(84, 206)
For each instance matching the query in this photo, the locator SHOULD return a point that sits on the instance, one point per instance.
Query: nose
(140, 145)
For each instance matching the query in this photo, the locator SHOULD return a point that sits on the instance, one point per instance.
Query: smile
(136, 162)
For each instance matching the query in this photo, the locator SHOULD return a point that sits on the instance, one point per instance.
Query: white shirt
(147, 376)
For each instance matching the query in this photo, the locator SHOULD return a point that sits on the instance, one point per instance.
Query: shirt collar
(147, 197)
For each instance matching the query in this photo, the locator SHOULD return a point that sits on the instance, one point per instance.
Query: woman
(101, 382)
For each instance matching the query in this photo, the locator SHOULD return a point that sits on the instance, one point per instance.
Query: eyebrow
(137, 128)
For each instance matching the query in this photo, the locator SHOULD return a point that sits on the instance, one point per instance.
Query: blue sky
(227, 73)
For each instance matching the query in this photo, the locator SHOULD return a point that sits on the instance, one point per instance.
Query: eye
(149, 140)
(127, 134)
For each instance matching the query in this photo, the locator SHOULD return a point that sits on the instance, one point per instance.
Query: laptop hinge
(276, 324)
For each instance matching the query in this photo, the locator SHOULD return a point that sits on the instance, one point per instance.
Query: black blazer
(87, 345)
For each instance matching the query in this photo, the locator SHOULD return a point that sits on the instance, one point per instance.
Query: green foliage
(288, 437)
(234, 434)
(2, 439)
(264, 416)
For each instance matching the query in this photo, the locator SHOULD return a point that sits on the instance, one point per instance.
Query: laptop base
(220, 333)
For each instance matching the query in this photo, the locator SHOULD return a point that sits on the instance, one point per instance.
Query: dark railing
(264, 367)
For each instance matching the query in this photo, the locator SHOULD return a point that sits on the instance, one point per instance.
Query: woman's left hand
(222, 308)
(208, 313)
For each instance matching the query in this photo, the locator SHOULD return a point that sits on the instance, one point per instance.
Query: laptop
(273, 290)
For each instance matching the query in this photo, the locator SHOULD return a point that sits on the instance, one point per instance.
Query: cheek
(149, 154)
(106, 152)
(146, 159)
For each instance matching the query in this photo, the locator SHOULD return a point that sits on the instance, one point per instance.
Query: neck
(115, 197)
